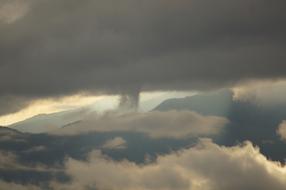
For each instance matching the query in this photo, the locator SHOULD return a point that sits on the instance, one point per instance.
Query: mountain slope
(215, 103)
(47, 122)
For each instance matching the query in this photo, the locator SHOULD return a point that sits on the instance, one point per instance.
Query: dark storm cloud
(59, 47)
(12, 104)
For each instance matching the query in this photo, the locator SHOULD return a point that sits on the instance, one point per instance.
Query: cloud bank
(206, 166)
(62, 47)
(265, 93)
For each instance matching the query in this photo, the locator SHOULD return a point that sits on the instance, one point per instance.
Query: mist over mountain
(247, 120)
(141, 138)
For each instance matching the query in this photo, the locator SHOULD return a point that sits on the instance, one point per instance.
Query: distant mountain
(8, 131)
(7, 134)
(214, 103)
(48, 122)
(247, 120)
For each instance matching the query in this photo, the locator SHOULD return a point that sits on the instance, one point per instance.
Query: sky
(159, 88)
(60, 48)
(148, 101)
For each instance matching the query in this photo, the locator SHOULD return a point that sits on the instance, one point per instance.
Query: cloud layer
(203, 166)
(265, 93)
(63, 47)
(206, 166)
(171, 124)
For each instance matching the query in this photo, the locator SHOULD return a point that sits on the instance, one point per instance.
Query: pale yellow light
(46, 106)
(148, 100)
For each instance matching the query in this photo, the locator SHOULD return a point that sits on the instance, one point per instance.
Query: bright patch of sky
(148, 101)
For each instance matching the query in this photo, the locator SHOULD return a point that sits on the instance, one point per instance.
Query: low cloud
(9, 161)
(281, 131)
(171, 124)
(266, 92)
(11, 165)
(15, 186)
(206, 166)
(115, 143)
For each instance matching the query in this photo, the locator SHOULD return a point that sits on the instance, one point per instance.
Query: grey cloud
(12, 10)
(206, 166)
(9, 161)
(12, 104)
(60, 47)
(15, 186)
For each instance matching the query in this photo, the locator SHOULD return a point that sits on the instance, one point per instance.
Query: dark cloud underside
(62, 47)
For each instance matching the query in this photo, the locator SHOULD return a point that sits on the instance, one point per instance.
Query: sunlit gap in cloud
(47, 106)
(148, 100)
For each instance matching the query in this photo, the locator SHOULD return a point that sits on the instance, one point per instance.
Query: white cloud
(36, 149)
(172, 124)
(281, 131)
(115, 143)
(206, 166)
(263, 92)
